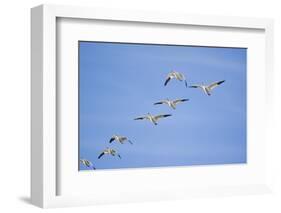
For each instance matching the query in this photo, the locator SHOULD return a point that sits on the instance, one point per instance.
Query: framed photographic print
(120, 81)
(146, 105)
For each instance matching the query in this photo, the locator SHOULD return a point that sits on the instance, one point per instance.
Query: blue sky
(119, 82)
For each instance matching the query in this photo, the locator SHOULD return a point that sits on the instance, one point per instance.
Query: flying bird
(175, 75)
(109, 151)
(152, 118)
(171, 103)
(120, 139)
(87, 163)
(208, 88)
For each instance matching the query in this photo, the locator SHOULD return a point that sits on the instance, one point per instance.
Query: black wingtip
(167, 80)
(167, 115)
(220, 82)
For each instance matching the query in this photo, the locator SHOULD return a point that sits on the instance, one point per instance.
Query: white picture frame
(44, 149)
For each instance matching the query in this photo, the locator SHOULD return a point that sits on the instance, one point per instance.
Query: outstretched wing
(111, 140)
(215, 84)
(130, 142)
(195, 86)
(140, 118)
(180, 76)
(162, 116)
(160, 102)
(123, 138)
(180, 100)
(167, 80)
(185, 83)
(100, 155)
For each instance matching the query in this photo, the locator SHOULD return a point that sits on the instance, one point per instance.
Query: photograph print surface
(150, 105)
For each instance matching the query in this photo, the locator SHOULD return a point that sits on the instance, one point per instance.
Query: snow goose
(153, 118)
(207, 88)
(171, 103)
(175, 75)
(109, 151)
(87, 163)
(120, 139)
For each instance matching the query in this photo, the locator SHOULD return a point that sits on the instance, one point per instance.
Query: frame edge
(37, 106)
